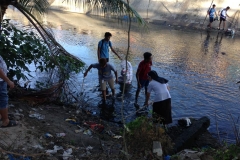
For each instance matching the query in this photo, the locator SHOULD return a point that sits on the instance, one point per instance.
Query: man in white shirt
(223, 16)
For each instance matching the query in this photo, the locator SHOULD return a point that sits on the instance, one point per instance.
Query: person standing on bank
(223, 16)
(142, 79)
(105, 76)
(162, 102)
(4, 81)
(211, 12)
(103, 47)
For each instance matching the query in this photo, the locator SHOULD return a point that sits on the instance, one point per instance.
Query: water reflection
(206, 43)
(107, 109)
(218, 42)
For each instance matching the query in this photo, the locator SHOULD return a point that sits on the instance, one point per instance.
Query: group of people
(222, 13)
(146, 78)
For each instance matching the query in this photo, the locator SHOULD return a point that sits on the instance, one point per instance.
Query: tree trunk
(4, 5)
(3, 10)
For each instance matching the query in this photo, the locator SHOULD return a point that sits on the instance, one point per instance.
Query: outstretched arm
(6, 79)
(115, 72)
(147, 97)
(89, 68)
(168, 87)
(115, 53)
(98, 53)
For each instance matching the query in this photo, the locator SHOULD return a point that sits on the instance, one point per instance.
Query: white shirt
(160, 90)
(224, 12)
(3, 67)
(126, 73)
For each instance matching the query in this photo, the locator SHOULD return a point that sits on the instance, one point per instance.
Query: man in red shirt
(142, 78)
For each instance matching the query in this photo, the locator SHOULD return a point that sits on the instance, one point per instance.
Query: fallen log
(191, 133)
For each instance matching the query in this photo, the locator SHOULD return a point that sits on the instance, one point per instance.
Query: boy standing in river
(105, 76)
(103, 47)
(142, 78)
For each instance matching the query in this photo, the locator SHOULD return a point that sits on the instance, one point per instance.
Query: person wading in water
(142, 79)
(162, 109)
(105, 76)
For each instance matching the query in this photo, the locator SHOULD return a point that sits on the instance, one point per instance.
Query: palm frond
(54, 47)
(115, 7)
(40, 6)
(36, 7)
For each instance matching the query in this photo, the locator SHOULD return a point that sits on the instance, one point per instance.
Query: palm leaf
(54, 47)
(114, 7)
(35, 6)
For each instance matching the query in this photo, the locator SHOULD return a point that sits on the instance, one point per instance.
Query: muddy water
(202, 67)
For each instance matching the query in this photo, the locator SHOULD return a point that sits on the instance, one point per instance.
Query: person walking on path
(103, 47)
(211, 12)
(162, 109)
(4, 81)
(142, 79)
(105, 76)
(223, 16)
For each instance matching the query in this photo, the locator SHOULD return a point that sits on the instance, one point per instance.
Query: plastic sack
(126, 75)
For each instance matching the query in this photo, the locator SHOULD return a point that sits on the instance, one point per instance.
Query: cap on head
(228, 7)
(147, 55)
(108, 34)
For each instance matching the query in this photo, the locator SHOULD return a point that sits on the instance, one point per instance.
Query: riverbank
(84, 135)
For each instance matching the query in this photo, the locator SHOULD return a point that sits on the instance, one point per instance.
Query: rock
(157, 148)
(190, 134)
(189, 155)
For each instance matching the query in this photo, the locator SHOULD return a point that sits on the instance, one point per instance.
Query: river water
(202, 67)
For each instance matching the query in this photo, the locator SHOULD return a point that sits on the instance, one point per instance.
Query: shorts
(3, 95)
(211, 19)
(222, 18)
(104, 83)
(144, 83)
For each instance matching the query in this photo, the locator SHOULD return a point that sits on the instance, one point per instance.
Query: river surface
(202, 67)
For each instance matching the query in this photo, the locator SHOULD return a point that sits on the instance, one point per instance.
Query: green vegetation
(231, 152)
(20, 49)
(141, 134)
